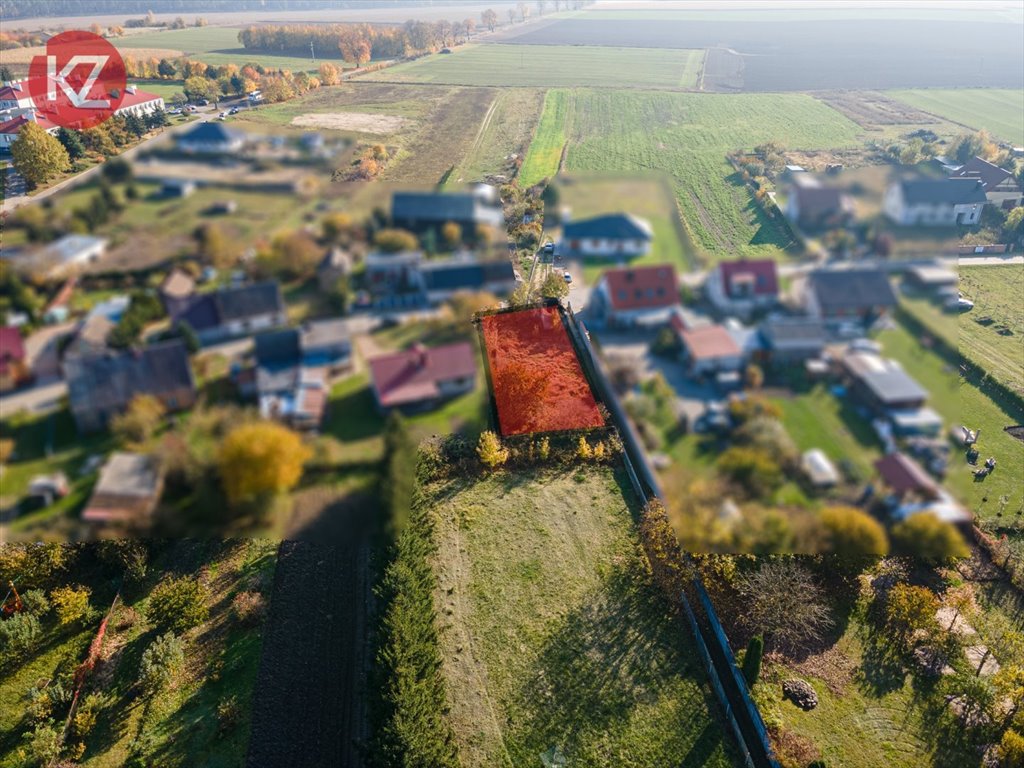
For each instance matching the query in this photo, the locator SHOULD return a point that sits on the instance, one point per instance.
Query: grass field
(650, 197)
(549, 66)
(219, 46)
(995, 346)
(506, 130)
(545, 151)
(687, 136)
(552, 635)
(998, 111)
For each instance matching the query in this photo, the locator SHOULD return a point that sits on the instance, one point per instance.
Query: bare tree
(784, 603)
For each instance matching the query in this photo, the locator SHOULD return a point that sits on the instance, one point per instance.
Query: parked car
(567, 277)
(866, 345)
(233, 111)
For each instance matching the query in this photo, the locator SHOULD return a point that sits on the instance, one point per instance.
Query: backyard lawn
(553, 636)
(992, 334)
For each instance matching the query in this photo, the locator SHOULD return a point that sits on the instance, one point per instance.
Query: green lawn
(549, 66)
(996, 346)
(998, 111)
(687, 136)
(552, 634)
(160, 88)
(928, 312)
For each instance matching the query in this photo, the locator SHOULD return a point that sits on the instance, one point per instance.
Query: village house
(14, 370)
(814, 206)
(890, 393)
(643, 296)
(235, 311)
(848, 294)
(100, 388)
(910, 490)
(90, 339)
(336, 264)
(392, 273)
(14, 95)
(210, 138)
(792, 339)
(442, 279)
(422, 212)
(421, 378)
(935, 202)
(612, 236)
(744, 286)
(1001, 187)
(127, 492)
(176, 291)
(707, 350)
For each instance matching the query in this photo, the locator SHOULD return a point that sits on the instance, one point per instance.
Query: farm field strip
(507, 130)
(545, 151)
(687, 136)
(546, 66)
(998, 111)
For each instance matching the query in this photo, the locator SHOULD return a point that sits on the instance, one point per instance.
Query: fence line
(730, 689)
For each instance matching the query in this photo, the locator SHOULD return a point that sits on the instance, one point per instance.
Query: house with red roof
(15, 95)
(632, 296)
(13, 367)
(421, 378)
(744, 286)
(707, 350)
(9, 129)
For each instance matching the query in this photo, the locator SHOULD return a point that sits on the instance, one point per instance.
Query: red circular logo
(79, 82)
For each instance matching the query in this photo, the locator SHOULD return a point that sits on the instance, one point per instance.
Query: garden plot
(358, 122)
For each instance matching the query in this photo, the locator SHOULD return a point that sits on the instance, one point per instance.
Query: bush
(853, 533)
(70, 604)
(179, 604)
(752, 468)
(161, 662)
(228, 713)
(249, 608)
(926, 537)
(140, 421)
(19, 636)
(395, 240)
(1011, 749)
(490, 450)
(44, 743)
(752, 660)
(35, 602)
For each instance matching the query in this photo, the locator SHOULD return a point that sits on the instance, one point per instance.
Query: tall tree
(489, 19)
(260, 459)
(37, 155)
(72, 142)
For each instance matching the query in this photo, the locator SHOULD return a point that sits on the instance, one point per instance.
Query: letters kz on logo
(79, 82)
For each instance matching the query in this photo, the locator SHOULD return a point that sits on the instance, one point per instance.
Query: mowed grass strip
(687, 135)
(996, 346)
(998, 111)
(545, 152)
(552, 633)
(548, 66)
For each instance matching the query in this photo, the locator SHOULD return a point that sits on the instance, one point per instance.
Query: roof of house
(709, 342)
(277, 346)
(325, 333)
(789, 331)
(954, 191)
(132, 97)
(456, 274)
(128, 474)
(10, 93)
(12, 349)
(838, 289)
(241, 302)
(440, 206)
(72, 247)
(612, 226)
(15, 124)
(762, 273)
(886, 379)
(903, 475)
(654, 287)
(818, 202)
(178, 284)
(412, 376)
(209, 132)
(110, 382)
(989, 173)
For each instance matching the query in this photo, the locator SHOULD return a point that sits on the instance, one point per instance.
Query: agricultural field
(503, 136)
(201, 714)
(687, 136)
(548, 66)
(650, 196)
(991, 334)
(553, 635)
(544, 155)
(998, 111)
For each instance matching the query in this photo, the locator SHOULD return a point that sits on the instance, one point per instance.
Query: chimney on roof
(419, 355)
(130, 89)
(16, 85)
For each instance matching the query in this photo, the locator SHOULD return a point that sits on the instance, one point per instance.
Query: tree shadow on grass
(353, 416)
(881, 669)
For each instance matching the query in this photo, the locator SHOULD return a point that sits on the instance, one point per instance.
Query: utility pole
(311, 52)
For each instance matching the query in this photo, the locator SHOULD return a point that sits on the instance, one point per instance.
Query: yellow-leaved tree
(260, 459)
(490, 450)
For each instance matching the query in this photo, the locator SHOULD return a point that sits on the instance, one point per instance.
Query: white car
(567, 277)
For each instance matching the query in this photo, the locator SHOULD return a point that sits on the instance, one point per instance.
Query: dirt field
(361, 122)
(870, 110)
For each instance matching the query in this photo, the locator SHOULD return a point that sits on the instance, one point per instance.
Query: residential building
(63, 257)
(326, 344)
(420, 377)
(904, 477)
(15, 95)
(391, 273)
(138, 103)
(848, 294)
(90, 338)
(932, 277)
(792, 339)
(336, 264)
(744, 286)
(127, 492)
(935, 202)
(633, 296)
(11, 127)
(422, 212)
(176, 292)
(1001, 187)
(100, 388)
(14, 369)
(707, 350)
(814, 206)
(615, 235)
(235, 311)
(210, 138)
(440, 279)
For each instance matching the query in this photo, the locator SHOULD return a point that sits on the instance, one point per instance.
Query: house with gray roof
(127, 492)
(612, 236)
(834, 295)
(935, 202)
(101, 387)
(1001, 186)
(422, 212)
(235, 311)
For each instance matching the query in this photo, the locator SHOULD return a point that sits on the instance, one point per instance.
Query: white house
(935, 202)
(1001, 188)
(616, 235)
(139, 103)
(743, 286)
(635, 296)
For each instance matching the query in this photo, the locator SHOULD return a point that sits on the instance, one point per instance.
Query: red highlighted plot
(537, 380)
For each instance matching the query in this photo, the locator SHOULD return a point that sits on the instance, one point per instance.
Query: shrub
(782, 601)
(909, 609)
(490, 450)
(249, 608)
(35, 602)
(1011, 749)
(752, 660)
(544, 448)
(228, 713)
(853, 533)
(753, 468)
(179, 604)
(395, 240)
(261, 459)
(161, 662)
(71, 604)
(44, 743)
(140, 421)
(926, 537)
